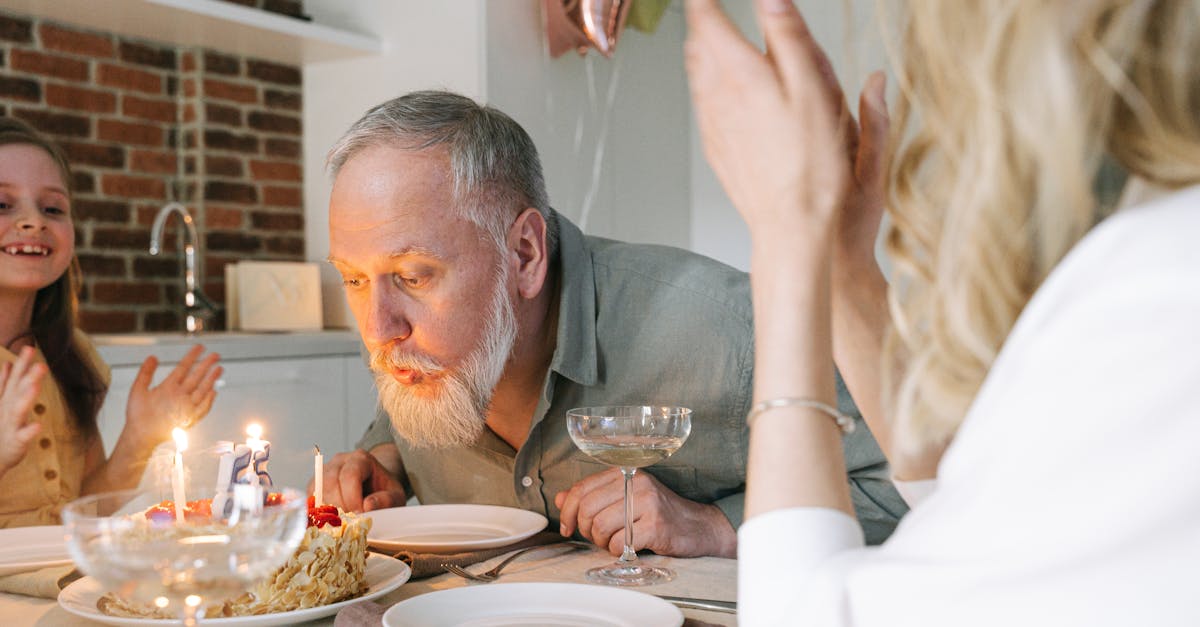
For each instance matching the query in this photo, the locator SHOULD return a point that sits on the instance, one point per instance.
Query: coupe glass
(156, 559)
(629, 437)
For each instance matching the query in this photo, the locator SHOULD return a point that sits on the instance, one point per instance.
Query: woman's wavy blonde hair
(1007, 109)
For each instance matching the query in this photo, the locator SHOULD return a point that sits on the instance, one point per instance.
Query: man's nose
(387, 319)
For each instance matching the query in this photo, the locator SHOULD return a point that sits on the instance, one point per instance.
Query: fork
(494, 572)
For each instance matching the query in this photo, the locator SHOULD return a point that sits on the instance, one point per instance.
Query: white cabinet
(361, 399)
(304, 389)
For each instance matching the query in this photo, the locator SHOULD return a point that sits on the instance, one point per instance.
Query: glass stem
(628, 554)
(190, 615)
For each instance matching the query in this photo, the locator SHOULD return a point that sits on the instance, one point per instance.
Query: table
(704, 577)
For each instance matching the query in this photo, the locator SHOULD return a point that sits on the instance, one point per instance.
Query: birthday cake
(328, 566)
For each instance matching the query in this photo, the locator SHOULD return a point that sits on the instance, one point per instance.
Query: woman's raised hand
(181, 400)
(774, 125)
(867, 151)
(20, 382)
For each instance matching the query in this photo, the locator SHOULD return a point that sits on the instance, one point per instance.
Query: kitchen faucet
(196, 306)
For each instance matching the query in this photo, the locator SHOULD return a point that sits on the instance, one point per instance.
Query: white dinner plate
(31, 548)
(523, 604)
(450, 528)
(384, 574)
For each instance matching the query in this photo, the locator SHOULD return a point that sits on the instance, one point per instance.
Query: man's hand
(357, 482)
(663, 521)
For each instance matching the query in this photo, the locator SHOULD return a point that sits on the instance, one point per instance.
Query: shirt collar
(575, 351)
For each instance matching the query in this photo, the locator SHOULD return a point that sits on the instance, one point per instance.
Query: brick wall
(144, 124)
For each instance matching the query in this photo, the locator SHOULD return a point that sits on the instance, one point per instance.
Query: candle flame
(254, 430)
(181, 440)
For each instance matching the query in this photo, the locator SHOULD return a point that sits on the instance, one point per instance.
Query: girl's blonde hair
(1007, 109)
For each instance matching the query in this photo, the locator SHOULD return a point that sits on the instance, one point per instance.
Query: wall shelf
(213, 24)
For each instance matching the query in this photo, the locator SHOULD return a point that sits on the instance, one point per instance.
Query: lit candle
(177, 480)
(318, 471)
(254, 439)
(224, 476)
(260, 453)
(241, 462)
(224, 465)
(260, 464)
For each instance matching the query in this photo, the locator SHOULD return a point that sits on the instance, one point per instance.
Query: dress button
(44, 442)
(526, 481)
(39, 409)
(50, 475)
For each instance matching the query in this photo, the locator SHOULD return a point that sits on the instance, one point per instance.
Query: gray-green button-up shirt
(637, 325)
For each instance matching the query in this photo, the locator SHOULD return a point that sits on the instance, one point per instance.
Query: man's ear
(527, 239)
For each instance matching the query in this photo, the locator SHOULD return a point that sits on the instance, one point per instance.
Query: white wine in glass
(629, 437)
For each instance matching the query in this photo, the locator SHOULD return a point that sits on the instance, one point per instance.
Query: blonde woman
(1036, 375)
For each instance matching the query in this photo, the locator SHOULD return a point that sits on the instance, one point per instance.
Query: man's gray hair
(494, 165)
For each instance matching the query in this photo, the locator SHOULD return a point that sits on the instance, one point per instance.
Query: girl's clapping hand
(181, 400)
(20, 382)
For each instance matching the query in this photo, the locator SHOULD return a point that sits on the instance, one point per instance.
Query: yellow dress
(51, 475)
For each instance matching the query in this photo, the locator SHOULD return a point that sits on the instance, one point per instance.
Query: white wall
(613, 134)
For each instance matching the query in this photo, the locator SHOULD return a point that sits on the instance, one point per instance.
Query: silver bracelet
(844, 423)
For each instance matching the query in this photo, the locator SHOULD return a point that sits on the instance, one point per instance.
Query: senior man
(488, 315)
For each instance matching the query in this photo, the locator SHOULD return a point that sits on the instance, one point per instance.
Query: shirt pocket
(679, 479)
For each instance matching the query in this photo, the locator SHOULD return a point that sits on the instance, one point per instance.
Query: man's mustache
(392, 358)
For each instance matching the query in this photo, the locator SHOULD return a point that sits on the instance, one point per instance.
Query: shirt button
(50, 475)
(44, 443)
(39, 409)
(526, 481)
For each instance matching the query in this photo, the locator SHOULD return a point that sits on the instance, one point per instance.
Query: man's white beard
(455, 415)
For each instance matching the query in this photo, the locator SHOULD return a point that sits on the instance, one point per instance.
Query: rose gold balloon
(563, 31)
(602, 22)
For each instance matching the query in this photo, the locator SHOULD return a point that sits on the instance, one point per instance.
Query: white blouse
(1071, 493)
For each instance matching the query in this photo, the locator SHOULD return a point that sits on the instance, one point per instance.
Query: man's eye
(55, 211)
(352, 282)
(411, 281)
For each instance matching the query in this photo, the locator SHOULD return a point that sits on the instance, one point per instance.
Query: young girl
(50, 446)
